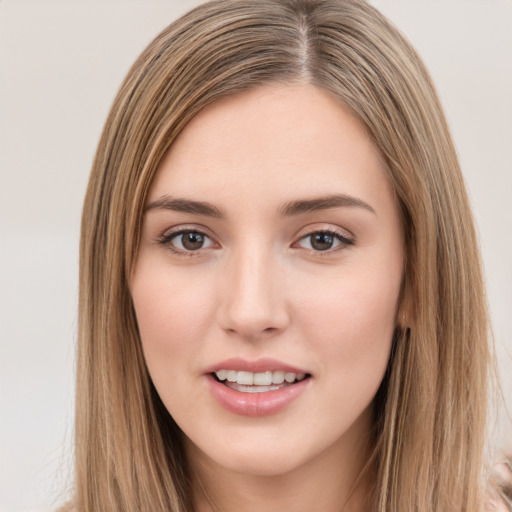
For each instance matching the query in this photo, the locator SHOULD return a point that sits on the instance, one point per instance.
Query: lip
(255, 404)
(264, 364)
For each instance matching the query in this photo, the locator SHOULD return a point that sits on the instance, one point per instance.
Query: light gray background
(61, 63)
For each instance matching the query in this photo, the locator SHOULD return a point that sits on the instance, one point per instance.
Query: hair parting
(431, 408)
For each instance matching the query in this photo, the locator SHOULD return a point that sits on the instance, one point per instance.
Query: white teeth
(278, 377)
(263, 379)
(231, 375)
(246, 378)
(260, 378)
(222, 374)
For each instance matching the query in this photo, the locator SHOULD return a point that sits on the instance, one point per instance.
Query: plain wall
(61, 63)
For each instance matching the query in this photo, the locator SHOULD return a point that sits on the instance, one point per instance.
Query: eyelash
(167, 238)
(343, 240)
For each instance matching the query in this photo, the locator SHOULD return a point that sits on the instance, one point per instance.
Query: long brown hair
(431, 408)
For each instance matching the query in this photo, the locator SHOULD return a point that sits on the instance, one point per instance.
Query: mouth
(255, 388)
(259, 382)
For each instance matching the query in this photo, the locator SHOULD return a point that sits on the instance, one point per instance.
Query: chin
(266, 454)
(261, 463)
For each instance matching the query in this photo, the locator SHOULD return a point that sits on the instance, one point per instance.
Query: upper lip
(264, 364)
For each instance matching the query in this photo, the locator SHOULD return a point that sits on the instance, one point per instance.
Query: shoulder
(500, 494)
(68, 507)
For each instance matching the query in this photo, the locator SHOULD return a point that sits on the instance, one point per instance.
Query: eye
(186, 241)
(324, 241)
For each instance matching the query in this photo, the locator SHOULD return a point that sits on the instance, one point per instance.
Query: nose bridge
(254, 302)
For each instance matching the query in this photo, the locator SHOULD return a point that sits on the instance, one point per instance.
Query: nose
(253, 292)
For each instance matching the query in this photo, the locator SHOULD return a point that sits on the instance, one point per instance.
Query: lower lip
(255, 404)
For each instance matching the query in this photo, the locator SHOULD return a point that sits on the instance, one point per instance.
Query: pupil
(192, 241)
(321, 241)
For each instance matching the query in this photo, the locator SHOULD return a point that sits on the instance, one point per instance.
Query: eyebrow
(289, 209)
(186, 206)
(323, 203)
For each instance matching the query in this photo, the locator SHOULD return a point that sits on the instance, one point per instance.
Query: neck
(334, 481)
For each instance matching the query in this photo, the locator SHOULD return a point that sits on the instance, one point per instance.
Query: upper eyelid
(328, 230)
(344, 244)
(323, 228)
(344, 234)
(168, 236)
(195, 228)
(341, 237)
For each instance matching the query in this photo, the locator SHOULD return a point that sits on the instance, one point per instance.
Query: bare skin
(332, 485)
(271, 233)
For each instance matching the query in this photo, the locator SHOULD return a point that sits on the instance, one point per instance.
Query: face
(267, 280)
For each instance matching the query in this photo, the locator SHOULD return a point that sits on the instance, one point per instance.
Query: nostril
(253, 334)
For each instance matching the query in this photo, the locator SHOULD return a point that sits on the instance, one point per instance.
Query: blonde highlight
(431, 410)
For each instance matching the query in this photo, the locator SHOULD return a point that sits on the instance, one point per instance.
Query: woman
(281, 298)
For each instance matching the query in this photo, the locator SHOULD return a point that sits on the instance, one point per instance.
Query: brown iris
(192, 240)
(322, 241)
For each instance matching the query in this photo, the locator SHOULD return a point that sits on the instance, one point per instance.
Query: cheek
(351, 320)
(173, 315)
(351, 332)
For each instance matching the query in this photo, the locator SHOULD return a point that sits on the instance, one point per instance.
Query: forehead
(272, 143)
